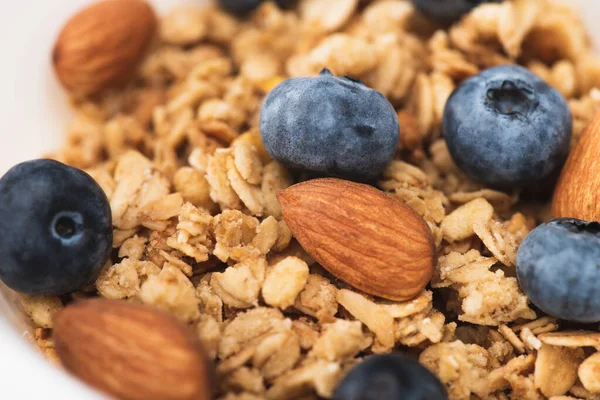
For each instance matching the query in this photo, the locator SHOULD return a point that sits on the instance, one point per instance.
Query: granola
(199, 231)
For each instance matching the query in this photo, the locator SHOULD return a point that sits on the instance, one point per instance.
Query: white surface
(34, 114)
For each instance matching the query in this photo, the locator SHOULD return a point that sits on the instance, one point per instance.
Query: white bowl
(34, 115)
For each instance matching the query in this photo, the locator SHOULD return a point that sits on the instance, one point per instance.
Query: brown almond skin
(577, 193)
(132, 352)
(102, 46)
(370, 240)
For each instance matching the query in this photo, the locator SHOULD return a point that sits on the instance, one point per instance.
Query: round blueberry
(558, 268)
(507, 128)
(448, 10)
(286, 3)
(390, 377)
(56, 228)
(330, 125)
(240, 7)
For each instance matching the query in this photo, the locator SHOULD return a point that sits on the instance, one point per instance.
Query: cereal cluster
(198, 230)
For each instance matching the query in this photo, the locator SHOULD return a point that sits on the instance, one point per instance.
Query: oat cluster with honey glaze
(206, 229)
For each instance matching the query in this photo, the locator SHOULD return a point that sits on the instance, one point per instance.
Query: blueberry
(558, 268)
(507, 128)
(244, 7)
(448, 10)
(56, 228)
(286, 3)
(390, 377)
(330, 125)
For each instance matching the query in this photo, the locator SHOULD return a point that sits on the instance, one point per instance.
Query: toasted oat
(499, 241)
(343, 55)
(45, 343)
(193, 186)
(318, 298)
(172, 291)
(183, 26)
(248, 327)
(133, 248)
(209, 332)
(267, 235)
(123, 280)
(307, 333)
(221, 191)
(41, 309)
(339, 340)
(137, 185)
(556, 369)
(582, 393)
(284, 281)
(320, 376)
(497, 379)
(275, 178)
(459, 366)
(531, 342)
(540, 325)
(522, 387)
(375, 317)
(571, 339)
(387, 16)
(327, 16)
(233, 230)
(239, 285)
(589, 373)
(516, 20)
(510, 335)
(487, 298)
(210, 303)
(250, 195)
(277, 354)
(460, 224)
(244, 379)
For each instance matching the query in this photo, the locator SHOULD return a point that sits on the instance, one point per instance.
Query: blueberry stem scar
(511, 97)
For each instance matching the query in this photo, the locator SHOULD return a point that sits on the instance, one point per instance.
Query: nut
(101, 46)
(368, 239)
(577, 194)
(130, 351)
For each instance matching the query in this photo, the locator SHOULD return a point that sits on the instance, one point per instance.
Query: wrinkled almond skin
(131, 352)
(577, 194)
(101, 47)
(370, 240)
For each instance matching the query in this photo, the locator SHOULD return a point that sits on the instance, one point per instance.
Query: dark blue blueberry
(244, 7)
(330, 125)
(240, 7)
(56, 228)
(558, 267)
(507, 128)
(448, 10)
(286, 3)
(390, 377)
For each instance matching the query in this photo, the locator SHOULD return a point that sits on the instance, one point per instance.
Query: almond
(370, 240)
(101, 47)
(131, 352)
(577, 194)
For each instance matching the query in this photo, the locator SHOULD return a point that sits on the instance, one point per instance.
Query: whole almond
(131, 352)
(101, 47)
(370, 240)
(577, 194)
